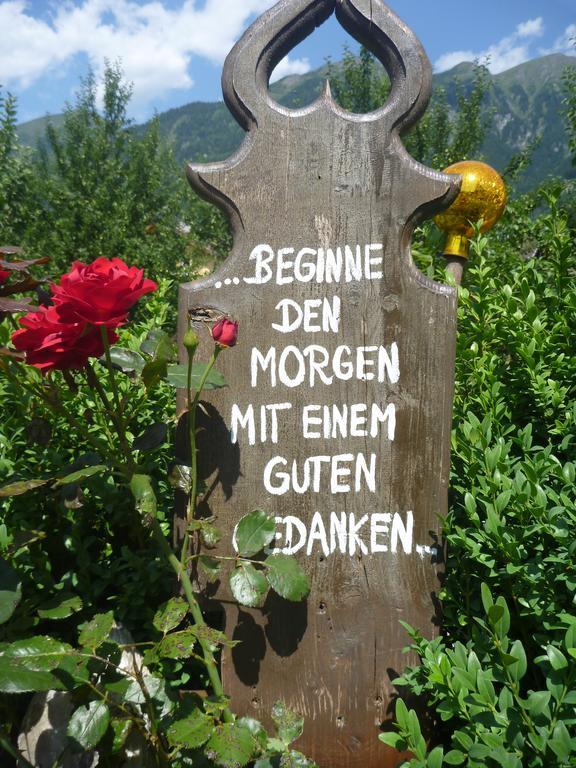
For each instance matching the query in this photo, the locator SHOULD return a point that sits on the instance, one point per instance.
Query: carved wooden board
(337, 418)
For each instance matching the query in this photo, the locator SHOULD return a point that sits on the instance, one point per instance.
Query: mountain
(522, 103)
(525, 102)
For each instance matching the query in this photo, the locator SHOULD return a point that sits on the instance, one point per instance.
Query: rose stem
(192, 410)
(116, 414)
(182, 574)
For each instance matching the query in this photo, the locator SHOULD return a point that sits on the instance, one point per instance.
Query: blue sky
(172, 50)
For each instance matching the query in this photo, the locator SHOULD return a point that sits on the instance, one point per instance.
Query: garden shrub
(502, 677)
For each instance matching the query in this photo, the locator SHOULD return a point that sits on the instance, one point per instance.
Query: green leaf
(60, 607)
(153, 373)
(394, 740)
(126, 359)
(485, 687)
(40, 653)
(170, 615)
(20, 487)
(158, 691)
(27, 665)
(96, 631)
(570, 638)
(215, 706)
(89, 724)
(159, 345)
(249, 586)
(231, 746)
(556, 657)
(294, 759)
(275, 745)
(80, 474)
(435, 758)
(537, 702)
(417, 741)
(191, 732)
(153, 437)
(454, 757)
(503, 500)
(209, 566)
(254, 532)
(286, 577)
(267, 762)
(120, 731)
(15, 678)
(144, 496)
(402, 714)
(569, 472)
(256, 729)
(289, 724)
(211, 535)
(517, 671)
(177, 645)
(178, 377)
(213, 636)
(465, 678)
(180, 478)
(470, 504)
(487, 600)
(73, 670)
(561, 743)
(499, 617)
(10, 591)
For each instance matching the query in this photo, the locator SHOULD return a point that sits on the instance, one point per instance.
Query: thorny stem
(235, 558)
(116, 414)
(94, 382)
(192, 410)
(183, 577)
(137, 677)
(179, 565)
(140, 725)
(156, 738)
(110, 366)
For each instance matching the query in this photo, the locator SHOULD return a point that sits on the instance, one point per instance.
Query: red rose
(225, 332)
(4, 275)
(101, 293)
(54, 340)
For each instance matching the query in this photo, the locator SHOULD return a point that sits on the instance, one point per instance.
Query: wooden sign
(338, 414)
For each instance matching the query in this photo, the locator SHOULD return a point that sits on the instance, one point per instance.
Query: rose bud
(225, 332)
(191, 339)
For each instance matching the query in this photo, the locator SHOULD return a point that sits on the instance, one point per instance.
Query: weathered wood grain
(320, 178)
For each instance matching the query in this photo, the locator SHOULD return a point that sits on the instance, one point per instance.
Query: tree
(16, 177)
(111, 190)
(103, 191)
(569, 82)
(359, 84)
(444, 135)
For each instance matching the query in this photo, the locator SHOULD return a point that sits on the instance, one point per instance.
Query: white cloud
(565, 43)
(531, 28)
(290, 66)
(512, 50)
(154, 43)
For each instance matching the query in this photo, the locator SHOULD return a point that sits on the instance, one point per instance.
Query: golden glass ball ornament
(482, 196)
